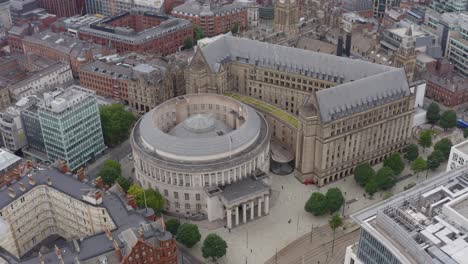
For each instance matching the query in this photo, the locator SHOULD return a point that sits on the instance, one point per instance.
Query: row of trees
(214, 246)
(448, 119)
(319, 203)
(198, 34)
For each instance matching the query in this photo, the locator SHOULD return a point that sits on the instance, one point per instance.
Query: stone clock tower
(286, 16)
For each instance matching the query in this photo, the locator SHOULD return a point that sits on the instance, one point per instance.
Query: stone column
(224, 180)
(252, 209)
(259, 207)
(267, 204)
(209, 179)
(229, 218)
(244, 211)
(237, 215)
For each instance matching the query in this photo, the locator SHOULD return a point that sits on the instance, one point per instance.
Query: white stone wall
(457, 157)
(44, 211)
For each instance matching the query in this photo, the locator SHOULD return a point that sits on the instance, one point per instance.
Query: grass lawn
(266, 107)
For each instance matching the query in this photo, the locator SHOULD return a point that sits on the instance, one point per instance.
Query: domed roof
(199, 123)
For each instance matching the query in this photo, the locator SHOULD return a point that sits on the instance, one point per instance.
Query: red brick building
(139, 31)
(213, 19)
(106, 79)
(63, 8)
(161, 252)
(444, 86)
(63, 47)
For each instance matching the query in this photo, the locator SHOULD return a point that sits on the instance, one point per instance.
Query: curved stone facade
(192, 144)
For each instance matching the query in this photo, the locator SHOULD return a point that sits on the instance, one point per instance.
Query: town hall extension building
(332, 113)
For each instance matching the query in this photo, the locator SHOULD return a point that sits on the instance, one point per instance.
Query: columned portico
(229, 218)
(252, 210)
(259, 207)
(244, 213)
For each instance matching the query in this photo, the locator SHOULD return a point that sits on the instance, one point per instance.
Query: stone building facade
(405, 56)
(207, 154)
(343, 105)
(287, 16)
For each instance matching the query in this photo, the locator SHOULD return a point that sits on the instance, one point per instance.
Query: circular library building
(207, 154)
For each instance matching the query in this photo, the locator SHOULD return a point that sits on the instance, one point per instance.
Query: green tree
(316, 204)
(434, 160)
(198, 33)
(411, 152)
(124, 183)
(444, 145)
(385, 178)
(188, 43)
(188, 235)
(172, 225)
(116, 123)
(110, 171)
(363, 173)
(137, 192)
(418, 165)
(425, 139)
(448, 119)
(235, 28)
(335, 222)
(395, 163)
(433, 113)
(465, 133)
(334, 199)
(214, 247)
(154, 200)
(371, 187)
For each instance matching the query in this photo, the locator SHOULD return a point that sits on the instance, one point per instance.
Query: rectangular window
(197, 197)
(187, 196)
(176, 195)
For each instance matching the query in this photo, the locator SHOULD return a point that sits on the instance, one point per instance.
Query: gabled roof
(359, 84)
(360, 95)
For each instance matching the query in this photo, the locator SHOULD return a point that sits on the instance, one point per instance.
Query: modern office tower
(443, 6)
(426, 224)
(71, 125)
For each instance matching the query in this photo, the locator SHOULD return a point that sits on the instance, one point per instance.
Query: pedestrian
(251, 251)
(229, 230)
(282, 187)
(289, 221)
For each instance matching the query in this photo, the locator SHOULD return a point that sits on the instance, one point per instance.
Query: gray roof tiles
(358, 82)
(359, 95)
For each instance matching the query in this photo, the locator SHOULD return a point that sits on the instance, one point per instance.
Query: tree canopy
(363, 173)
(198, 33)
(433, 113)
(124, 183)
(334, 199)
(172, 225)
(116, 123)
(425, 139)
(188, 235)
(316, 204)
(109, 172)
(465, 133)
(411, 152)
(235, 28)
(395, 163)
(385, 178)
(371, 187)
(444, 145)
(154, 199)
(448, 119)
(418, 165)
(214, 247)
(188, 43)
(434, 160)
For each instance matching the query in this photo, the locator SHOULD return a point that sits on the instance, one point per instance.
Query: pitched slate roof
(358, 82)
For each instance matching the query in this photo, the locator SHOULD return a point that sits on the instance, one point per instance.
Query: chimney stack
(99, 183)
(117, 251)
(22, 187)
(81, 174)
(31, 180)
(339, 47)
(59, 254)
(29, 164)
(63, 166)
(109, 234)
(348, 45)
(131, 201)
(11, 192)
(97, 195)
(41, 258)
(16, 174)
(7, 180)
(49, 181)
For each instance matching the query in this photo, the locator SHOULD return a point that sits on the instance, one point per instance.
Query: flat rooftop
(462, 147)
(431, 221)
